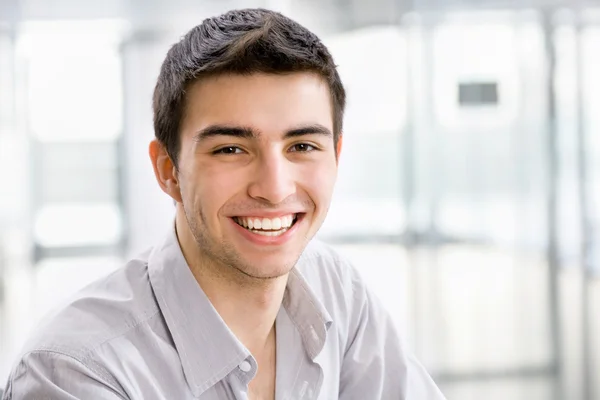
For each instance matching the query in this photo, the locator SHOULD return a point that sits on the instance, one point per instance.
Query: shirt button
(245, 366)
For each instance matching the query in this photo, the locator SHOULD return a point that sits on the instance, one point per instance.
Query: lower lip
(269, 240)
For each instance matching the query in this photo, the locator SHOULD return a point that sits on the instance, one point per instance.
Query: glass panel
(591, 62)
(569, 217)
(6, 83)
(477, 148)
(10, 146)
(74, 110)
(74, 81)
(78, 224)
(367, 198)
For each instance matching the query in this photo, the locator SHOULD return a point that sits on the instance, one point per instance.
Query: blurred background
(467, 189)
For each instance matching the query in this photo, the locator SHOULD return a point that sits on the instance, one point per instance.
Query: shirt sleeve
(375, 364)
(52, 375)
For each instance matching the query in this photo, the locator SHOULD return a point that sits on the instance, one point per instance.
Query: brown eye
(228, 150)
(302, 148)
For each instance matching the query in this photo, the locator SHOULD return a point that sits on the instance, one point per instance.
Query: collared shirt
(149, 332)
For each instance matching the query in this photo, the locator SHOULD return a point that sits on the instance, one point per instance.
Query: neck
(248, 305)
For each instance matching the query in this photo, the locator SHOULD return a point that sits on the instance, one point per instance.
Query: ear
(338, 149)
(164, 170)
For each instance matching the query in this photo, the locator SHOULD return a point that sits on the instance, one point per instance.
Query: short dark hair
(240, 42)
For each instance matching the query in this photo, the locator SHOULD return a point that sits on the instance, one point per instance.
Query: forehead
(268, 103)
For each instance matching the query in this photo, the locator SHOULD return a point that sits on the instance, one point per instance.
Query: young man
(237, 302)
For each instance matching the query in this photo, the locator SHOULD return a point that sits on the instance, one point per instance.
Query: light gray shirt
(148, 332)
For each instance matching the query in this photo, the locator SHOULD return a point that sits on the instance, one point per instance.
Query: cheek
(319, 184)
(215, 187)
(211, 191)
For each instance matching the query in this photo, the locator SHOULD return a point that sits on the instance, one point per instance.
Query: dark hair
(240, 42)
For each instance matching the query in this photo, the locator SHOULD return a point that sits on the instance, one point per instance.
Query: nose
(274, 180)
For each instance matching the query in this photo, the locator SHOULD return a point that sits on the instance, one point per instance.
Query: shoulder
(49, 374)
(103, 311)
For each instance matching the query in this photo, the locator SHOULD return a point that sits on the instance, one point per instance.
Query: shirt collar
(306, 312)
(208, 349)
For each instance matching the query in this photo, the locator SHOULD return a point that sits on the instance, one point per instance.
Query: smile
(267, 226)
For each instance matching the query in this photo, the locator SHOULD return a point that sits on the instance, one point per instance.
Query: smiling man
(238, 301)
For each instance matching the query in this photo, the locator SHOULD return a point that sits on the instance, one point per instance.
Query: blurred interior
(467, 187)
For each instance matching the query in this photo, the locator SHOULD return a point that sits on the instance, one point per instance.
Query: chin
(265, 272)
(268, 267)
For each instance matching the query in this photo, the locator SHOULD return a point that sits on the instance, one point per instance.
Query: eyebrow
(249, 133)
(220, 130)
(315, 129)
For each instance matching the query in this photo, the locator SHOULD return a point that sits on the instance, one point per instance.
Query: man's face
(257, 168)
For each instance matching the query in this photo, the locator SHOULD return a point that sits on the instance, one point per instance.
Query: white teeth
(271, 233)
(276, 224)
(267, 225)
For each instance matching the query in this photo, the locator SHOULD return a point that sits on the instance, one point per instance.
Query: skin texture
(254, 145)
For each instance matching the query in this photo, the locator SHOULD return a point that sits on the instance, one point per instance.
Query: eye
(228, 150)
(302, 148)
